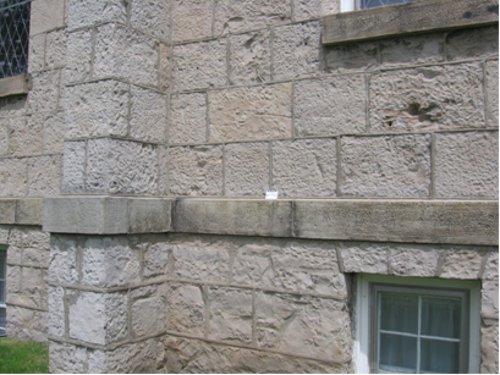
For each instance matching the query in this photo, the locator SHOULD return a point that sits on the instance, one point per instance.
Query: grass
(23, 357)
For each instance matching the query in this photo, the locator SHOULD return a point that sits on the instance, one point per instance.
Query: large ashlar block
(14, 177)
(78, 56)
(152, 17)
(491, 87)
(250, 113)
(191, 20)
(46, 15)
(306, 9)
(148, 311)
(148, 115)
(73, 178)
(186, 310)
(87, 13)
(188, 120)
(250, 58)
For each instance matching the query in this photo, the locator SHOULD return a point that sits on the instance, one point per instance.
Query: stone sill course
(17, 85)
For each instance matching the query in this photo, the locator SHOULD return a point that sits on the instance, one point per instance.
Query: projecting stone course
(417, 49)
(461, 44)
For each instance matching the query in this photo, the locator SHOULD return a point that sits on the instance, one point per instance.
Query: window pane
(439, 356)
(378, 3)
(441, 317)
(398, 353)
(399, 312)
(2, 264)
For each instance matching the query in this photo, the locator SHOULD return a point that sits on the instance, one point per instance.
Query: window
(350, 5)
(3, 271)
(414, 325)
(14, 36)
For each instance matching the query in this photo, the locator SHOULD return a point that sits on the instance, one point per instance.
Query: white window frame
(363, 336)
(349, 5)
(3, 283)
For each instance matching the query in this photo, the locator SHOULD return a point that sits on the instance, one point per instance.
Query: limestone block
(466, 165)
(199, 65)
(109, 261)
(250, 58)
(352, 57)
(489, 347)
(53, 133)
(36, 53)
(79, 56)
(186, 310)
(24, 136)
(156, 254)
(246, 169)
(417, 49)
(4, 234)
(491, 87)
(296, 50)
(188, 120)
(55, 50)
(397, 166)
(201, 260)
(148, 115)
(56, 312)
(27, 324)
(44, 96)
(4, 136)
(230, 314)
(13, 280)
(250, 113)
(460, 263)
(194, 171)
(85, 13)
(29, 237)
(96, 109)
(36, 257)
(148, 215)
(125, 53)
(8, 211)
(330, 106)
(63, 258)
(427, 98)
(44, 175)
(365, 257)
(29, 211)
(164, 73)
(151, 17)
(233, 16)
(467, 43)
(489, 299)
(413, 261)
(34, 288)
(73, 178)
(97, 317)
(13, 177)
(116, 166)
(67, 358)
(191, 20)
(147, 316)
(491, 266)
(253, 263)
(305, 168)
(305, 326)
(46, 15)
(307, 9)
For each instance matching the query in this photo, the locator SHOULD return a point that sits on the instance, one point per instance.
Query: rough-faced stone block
(78, 56)
(491, 266)
(418, 49)
(186, 310)
(296, 50)
(155, 258)
(427, 98)
(44, 175)
(250, 58)
(4, 137)
(56, 312)
(8, 211)
(85, 13)
(306, 326)
(53, 133)
(151, 17)
(461, 264)
(230, 314)
(36, 257)
(489, 299)
(199, 65)
(191, 20)
(413, 261)
(250, 113)
(232, 16)
(27, 324)
(44, 95)
(73, 175)
(4, 233)
(491, 87)
(466, 165)
(246, 169)
(62, 264)
(194, 171)
(188, 120)
(125, 53)
(148, 315)
(307, 9)
(67, 358)
(55, 50)
(24, 136)
(46, 15)
(34, 289)
(148, 115)
(13, 177)
(305, 168)
(467, 43)
(330, 106)
(363, 257)
(386, 166)
(36, 53)
(489, 347)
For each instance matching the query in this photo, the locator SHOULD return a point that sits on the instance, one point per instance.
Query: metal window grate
(14, 36)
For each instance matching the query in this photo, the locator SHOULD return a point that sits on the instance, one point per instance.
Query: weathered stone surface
(489, 347)
(250, 58)
(147, 316)
(194, 171)
(413, 261)
(96, 109)
(36, 257)
(230, 314)
(63, 255)
(53, 132)
(56, 312)
(29, 237)
(148, 115)
(191, 20)
(86, 13)
(127, 54)
(148, 215)
(96, 317)
(73, 178)
(155, 257)
(151, 17)
(307, 326)
(489, 299)
(4, 234)
(330, 106)
(306, 9)
(55, 50)
(44, 95)
(8, 211)
(386, 166)
(46, 15)
(186, 310)
(13, 280)
(466, 165)
(24, 136)
(27, 324)
(36, 53)
(79, 56)
(250, 113)
(461, 264)
(44, 176)
(4, 136)
(357, 56)
(116, 166)
(67, 358)
(188, 120)
(415, 49)
(164, 67)
(34, 290)
(109, 261)
(305, 168)
(491, 266)
(467, 43)
(199, 65)
(427, 98)
(491, 88)
(13, 177)
(295, 50)
(246, 169)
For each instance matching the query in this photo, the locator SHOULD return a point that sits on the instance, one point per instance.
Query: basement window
(412, 325)
(350, 5)
(3, 271)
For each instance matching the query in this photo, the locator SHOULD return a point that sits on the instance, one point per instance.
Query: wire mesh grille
(364, 4)
(14, 36)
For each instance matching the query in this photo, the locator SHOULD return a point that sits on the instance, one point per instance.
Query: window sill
(17, 85)
(413, 18)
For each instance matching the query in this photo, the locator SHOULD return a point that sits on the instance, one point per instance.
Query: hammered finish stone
(78, 56)
(73, 174)
(413, 261)
(186, 310)
(188, 120)
(491, 89)
(152, 17)
(86, 13)
(148, 115)
(461, 264)
(191, 19)
(250, 58)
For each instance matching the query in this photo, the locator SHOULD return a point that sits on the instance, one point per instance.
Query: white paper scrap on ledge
(271, 195)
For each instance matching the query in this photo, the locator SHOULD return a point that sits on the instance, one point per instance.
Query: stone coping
(412, 18)
(473, 222)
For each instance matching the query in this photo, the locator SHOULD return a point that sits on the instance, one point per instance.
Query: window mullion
(419, 324)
